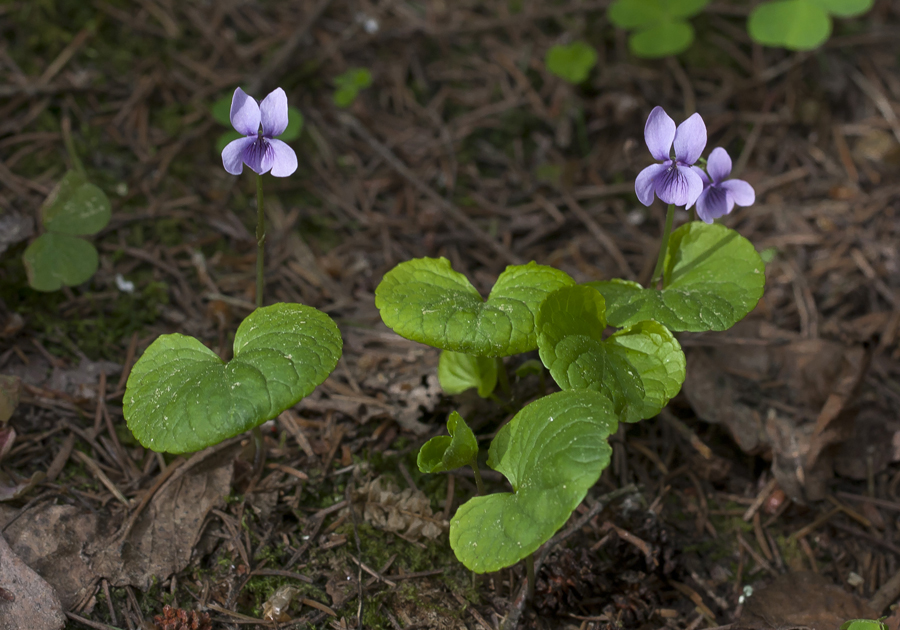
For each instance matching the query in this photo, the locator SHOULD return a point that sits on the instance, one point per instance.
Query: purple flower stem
(663, 247)
(260, 243)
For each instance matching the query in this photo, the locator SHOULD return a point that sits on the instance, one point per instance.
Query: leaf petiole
(663, 247)
(478, 482)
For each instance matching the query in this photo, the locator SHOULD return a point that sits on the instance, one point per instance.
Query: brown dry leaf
(10, 388)
(28, 602)
(407, 511)
(801, 600)
(17, 488)
(51, 540)
(342, 586)
(275, 608)
(162, 539)
(733, 385)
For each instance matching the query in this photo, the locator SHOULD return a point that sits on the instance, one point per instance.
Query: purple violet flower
(259, 150)
(719, 194)
(673, 181)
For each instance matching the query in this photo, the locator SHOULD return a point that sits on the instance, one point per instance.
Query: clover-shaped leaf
(572, 62)
(552, 452)
(639, 368)
(661, 27)
(444, 452)
(181, 397)
(712, 278)
(458, 372)
(800, 24)
(76, 207)
(348, 85)
(426, 301)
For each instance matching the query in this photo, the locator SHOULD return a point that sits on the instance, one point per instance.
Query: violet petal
(679, 186)
(702, 174)
(259, 155)
(690, 139)
(645, 184)
(659, 133)
(739, 190)
(284, 160)
(244, 113)
(233, 154)
(714, 202)
(273, 112)
(719, 164)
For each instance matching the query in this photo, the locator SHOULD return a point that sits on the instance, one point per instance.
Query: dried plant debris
(180, 619)
(27, 601)
(407, 512)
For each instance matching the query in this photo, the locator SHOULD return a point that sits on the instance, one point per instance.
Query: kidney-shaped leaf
(444, 452)
(76, 207)
(639, 368)
(181, 397)
(458, 372)
(793, 24)
(712, 278)
(552, 452)
(662, 39)
(53, 260)
(426, 301)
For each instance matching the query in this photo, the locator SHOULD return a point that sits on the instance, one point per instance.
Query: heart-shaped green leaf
(572, 62)
(662, 39)
(181, 397)
(660, 25)
(639, 368)
(552, 452)
(712, 278)
(793, 24)
(76, 207)
(426, 301)
(53, 260)
(444, 453)
(458, 372)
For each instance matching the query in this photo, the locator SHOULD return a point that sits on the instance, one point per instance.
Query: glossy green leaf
(845, 8)
(76, 207)
(864, 624)
(793, 24)
(181, 397)
(444, 453)
(552, 452)
(53, 260)
(426, 301)
(639, 368)
(662, 40)
(712, 278)
(458, 372)
(572, 62)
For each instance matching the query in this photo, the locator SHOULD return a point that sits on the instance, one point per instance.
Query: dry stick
(600, 234)
(881, 102)
(455, 213)
(518, 605)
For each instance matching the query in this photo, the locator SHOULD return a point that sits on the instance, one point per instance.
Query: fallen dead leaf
(801, 600)
(28, 602)
(406, 511)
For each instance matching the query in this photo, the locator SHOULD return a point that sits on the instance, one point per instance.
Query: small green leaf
(846, 8)
(662, 40)
(225, 138)
(572, 62)
(53, 260)
(348, 85)
(426, 301)
(712, 278)
(294, 127)
(76, 207)
(793, 24)
(444, 453)
(864, 624)
(631, 14)
(458, 372)
(181, 397)
(221, 110)
(552, 452)
(639, 368)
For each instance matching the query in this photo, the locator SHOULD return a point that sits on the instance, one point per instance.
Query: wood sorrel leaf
(793, 24)
(572, 62)
(181, 397)
(639, 368)
(552, 452)
(76, 207)
(426, 301)
(660, 26)
(444, 452)
(712, 278)
(458, 372)
(53, 260)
